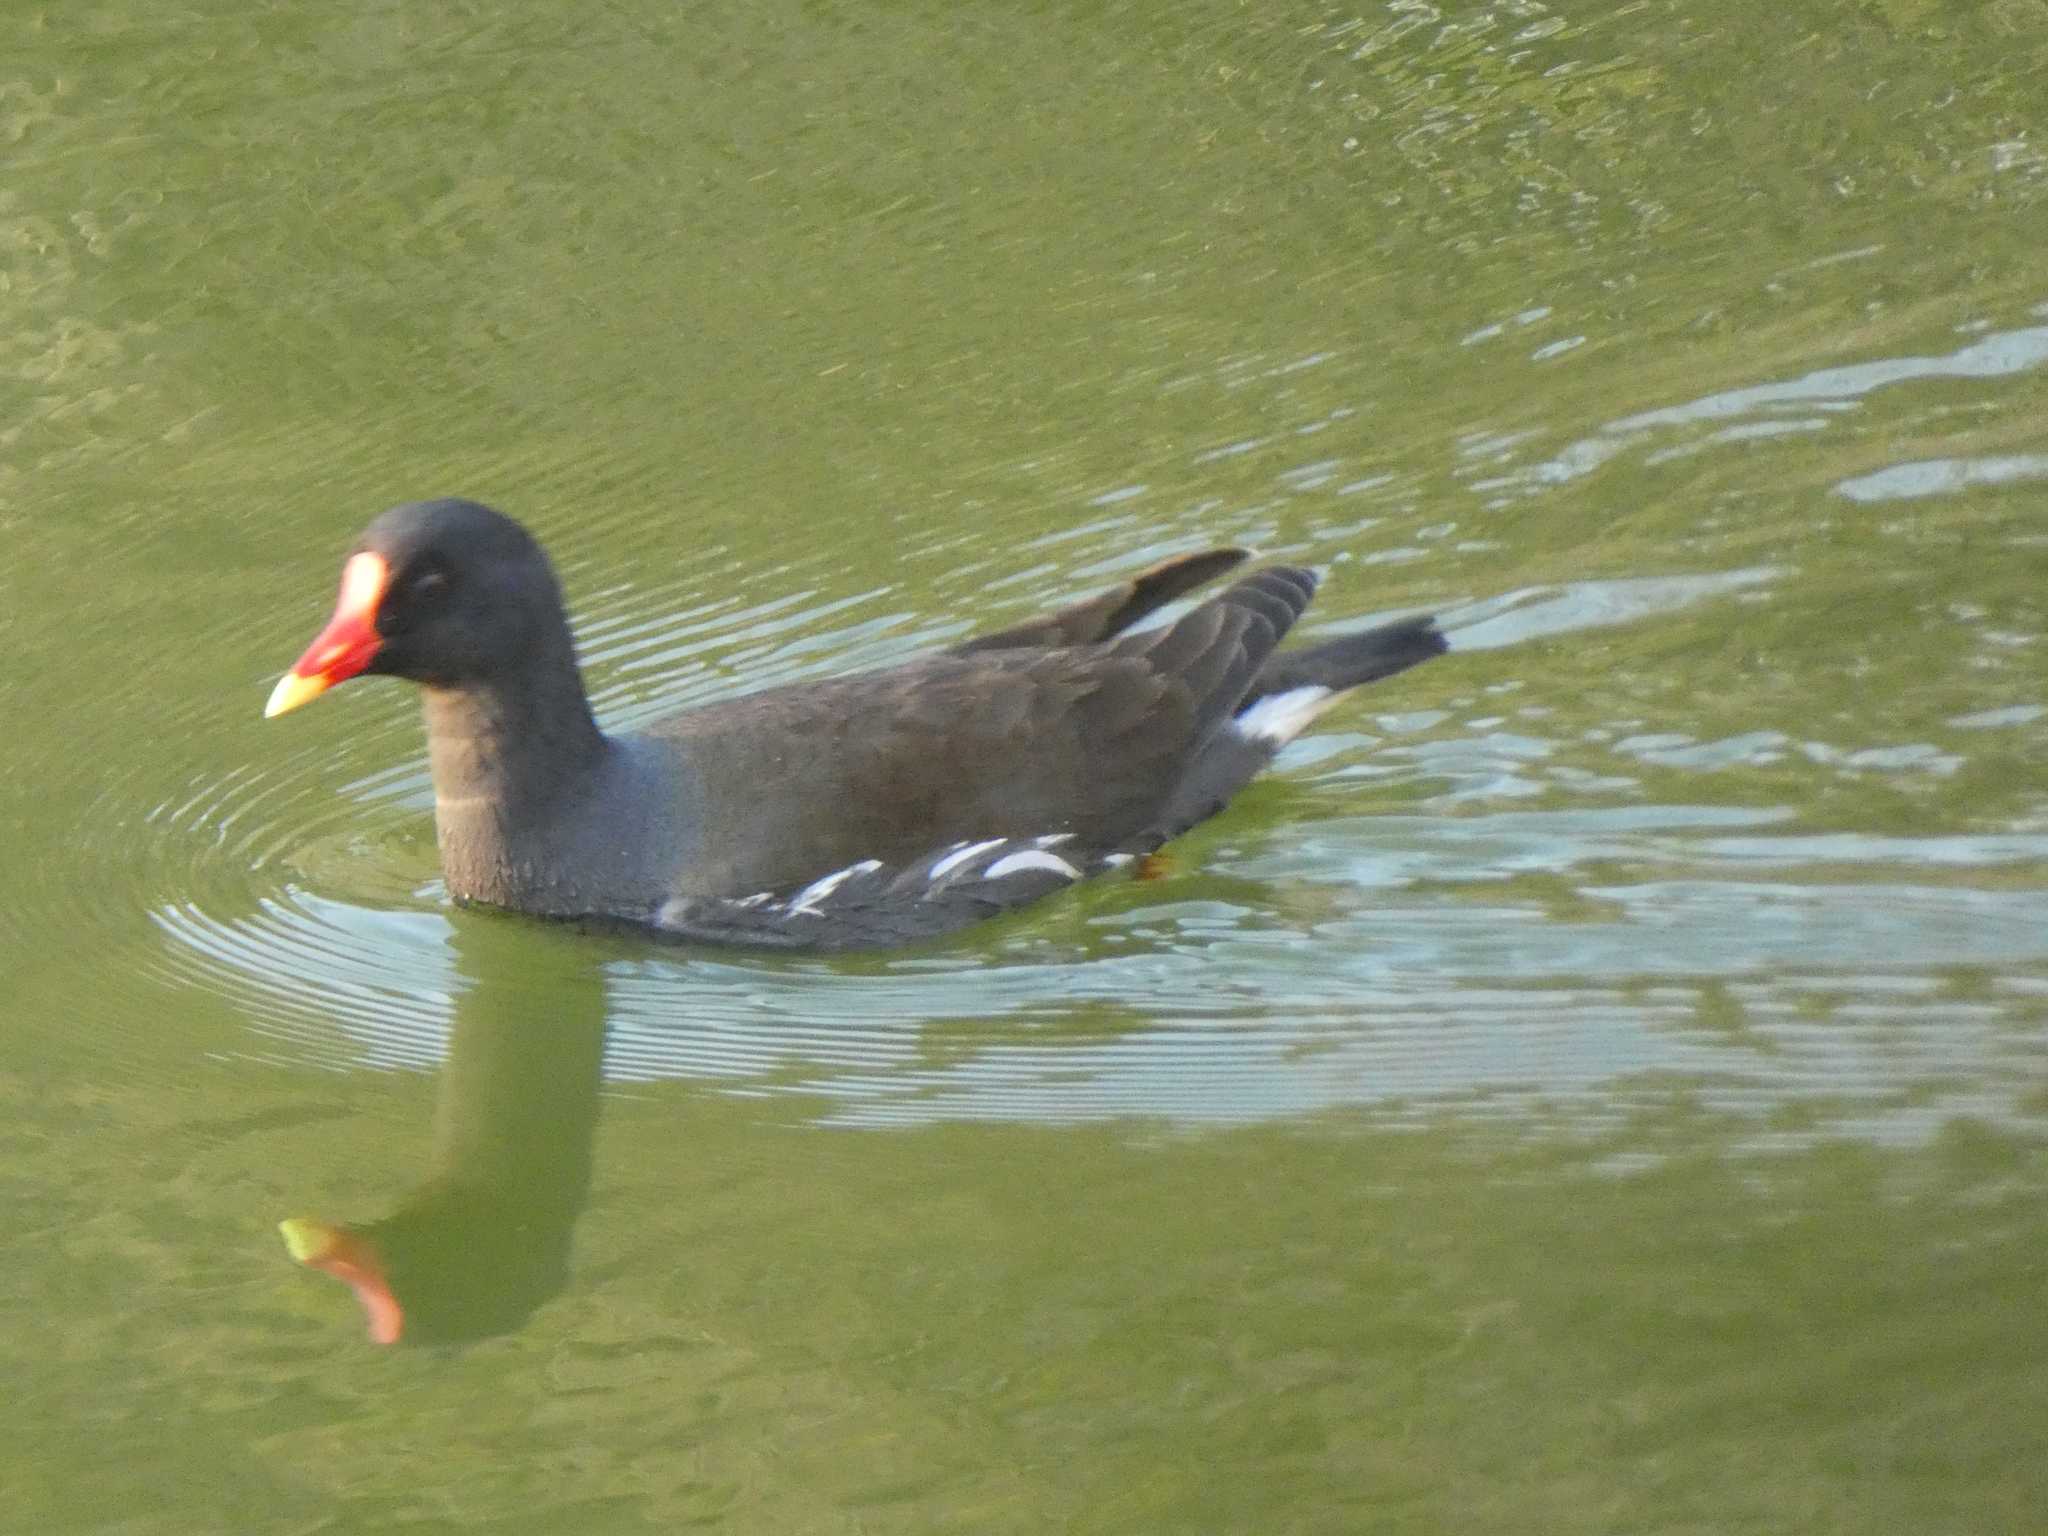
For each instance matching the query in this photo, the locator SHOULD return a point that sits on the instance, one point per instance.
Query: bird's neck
(509, 758)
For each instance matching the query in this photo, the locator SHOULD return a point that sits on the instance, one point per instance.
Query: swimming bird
(853, 812)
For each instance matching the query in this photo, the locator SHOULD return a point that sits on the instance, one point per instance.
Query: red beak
(345, 646)
(347, 1257)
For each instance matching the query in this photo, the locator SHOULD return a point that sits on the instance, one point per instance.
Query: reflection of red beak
(345, 646)
(347, 1257)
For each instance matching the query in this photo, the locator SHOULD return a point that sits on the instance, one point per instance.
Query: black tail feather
(1353, 660)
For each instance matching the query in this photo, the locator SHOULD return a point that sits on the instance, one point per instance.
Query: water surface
(1596, 1084)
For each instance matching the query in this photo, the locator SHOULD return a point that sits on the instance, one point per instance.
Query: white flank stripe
(1017, 863)
(1280, 717)
(1053, 839)
(953, 861)
(807, 899)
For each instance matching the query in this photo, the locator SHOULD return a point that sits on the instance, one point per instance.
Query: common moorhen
(854, 812)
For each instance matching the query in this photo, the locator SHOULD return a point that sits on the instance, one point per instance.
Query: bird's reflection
(485, 1238)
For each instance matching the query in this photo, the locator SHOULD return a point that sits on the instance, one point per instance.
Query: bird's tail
(1351, 661)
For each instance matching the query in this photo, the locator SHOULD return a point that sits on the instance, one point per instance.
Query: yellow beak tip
(291, 691)
(305, 1240)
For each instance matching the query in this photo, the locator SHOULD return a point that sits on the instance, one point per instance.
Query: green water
(1598, 1084)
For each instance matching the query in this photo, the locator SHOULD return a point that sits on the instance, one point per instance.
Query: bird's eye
(416, 595)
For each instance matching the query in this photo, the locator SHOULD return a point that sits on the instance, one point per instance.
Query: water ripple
(1510, 961)
(1746, 412)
